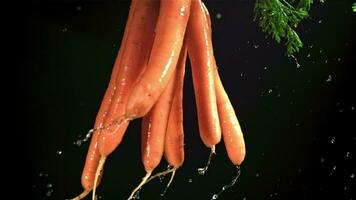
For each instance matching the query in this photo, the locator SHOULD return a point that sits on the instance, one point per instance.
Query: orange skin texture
(174, 140)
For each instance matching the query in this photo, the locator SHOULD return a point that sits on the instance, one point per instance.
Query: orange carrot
(170, 29)
(92, 158)
(202, 60)
(231, 130)
(133, 62)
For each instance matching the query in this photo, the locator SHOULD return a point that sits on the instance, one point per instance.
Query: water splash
(79, 142)
(296, 61)
(203, 170)
(332, 140)
(329, 78)
(229, 185)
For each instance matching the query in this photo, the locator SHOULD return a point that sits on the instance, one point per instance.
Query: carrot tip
(144, 180)
(82, 195)
(97, 174)
(203, 170)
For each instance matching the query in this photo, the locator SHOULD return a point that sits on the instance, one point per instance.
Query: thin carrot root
(170, 181)
(229, 185)
(203, 170)
(82, 195)
(97, 174)
(144, 181)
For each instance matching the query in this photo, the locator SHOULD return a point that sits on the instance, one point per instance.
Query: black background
(298, 121)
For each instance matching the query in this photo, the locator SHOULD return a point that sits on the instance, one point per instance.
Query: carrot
(153, 131)
(170, 29)
(202, 60)
(93, 155)
(138, 43)
(231, 130)
(133, 62)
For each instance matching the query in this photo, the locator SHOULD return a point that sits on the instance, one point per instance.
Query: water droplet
(352, 108)
(49, 193)
(218, 16)
(345, 188)
(257, 175)
(265, 68)
(296, 61)
(190, 180)
(329, 78)
(40, 174)
(215, 196)
(334, 167)
(278, 95)
(201, 171)
(241, 74)
(339, 59)
(161, 178)
(348, 154)
(308, 56)
(256, 46)
(49, 185)
(352, 176)
(332, 140)
(326, 61)
(64, 30)
(322, 160)
(244, 198)
(320, 51)
(59, 152)
(320, 21)
(270, 91)
(311, 46)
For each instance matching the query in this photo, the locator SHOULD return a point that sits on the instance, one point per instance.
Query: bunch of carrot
(147, 81)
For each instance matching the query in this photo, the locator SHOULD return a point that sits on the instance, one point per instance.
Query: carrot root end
(97, 174)
(203, 170)
(144, 181)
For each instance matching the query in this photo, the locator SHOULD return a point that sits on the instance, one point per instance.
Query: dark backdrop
(297, 115)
